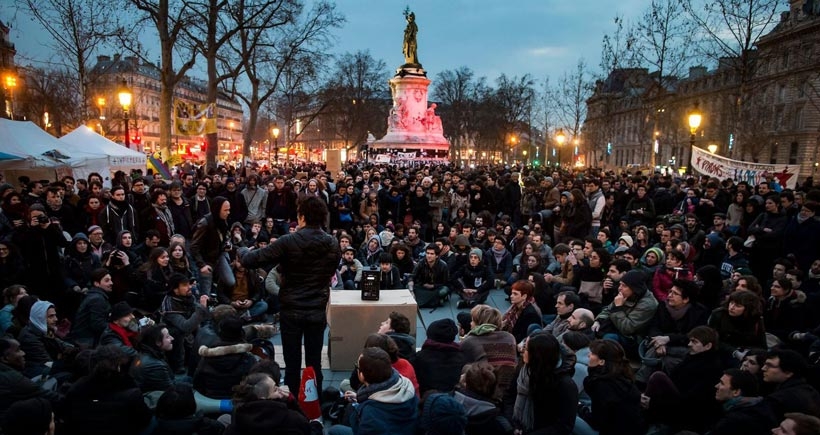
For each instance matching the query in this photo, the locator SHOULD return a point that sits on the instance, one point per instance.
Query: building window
(781, 94)
(773, 154)
(777, 122)
(793, 148)
(798, 118)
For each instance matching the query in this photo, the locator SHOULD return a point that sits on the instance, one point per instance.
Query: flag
(309, 395)
(159, 168)
(192, 119)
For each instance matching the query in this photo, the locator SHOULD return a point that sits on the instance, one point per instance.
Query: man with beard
(429, 280)
(180, 209)
(281, 204)
(117, 216)
(62, 212)
(255, 201)
(415, 244)
(160, 218)
(122, 329)
(92, 316)
(238, 209)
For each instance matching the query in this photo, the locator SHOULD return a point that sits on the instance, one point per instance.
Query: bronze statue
(410, 32)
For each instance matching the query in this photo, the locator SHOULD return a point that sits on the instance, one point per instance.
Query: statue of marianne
(410, 32)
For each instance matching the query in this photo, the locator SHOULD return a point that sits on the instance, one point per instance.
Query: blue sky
(538, 37)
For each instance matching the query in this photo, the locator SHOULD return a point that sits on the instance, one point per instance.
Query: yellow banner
(191, 119)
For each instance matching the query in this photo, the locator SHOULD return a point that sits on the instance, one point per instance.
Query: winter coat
(406, 344)
(479, 278)
(663, 324)
(109, 336)
(484, 417)
(193, 425)
(91, 319)
(207, 242)
(502, 268)
(438, 366)
(14, 387)
(389, 407)
(745, 416)
(267, 417)
(794, 395)
(782, 317)
(115, 218)
(485, 343)
(808, 233)
(737, 332)
(633, 317)
(616, 405)
(95, 406)
(695, 378)
(150, 370)
(77, 267)
(308, 258)
(221, 368)
(40, 349)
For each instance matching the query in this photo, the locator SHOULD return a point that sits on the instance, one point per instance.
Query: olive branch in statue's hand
(406, 11)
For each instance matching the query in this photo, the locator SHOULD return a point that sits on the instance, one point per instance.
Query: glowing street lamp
(275, 133)
(712, 148)
(10, 82)
(560, 137)
(124, 95)
(695, 118)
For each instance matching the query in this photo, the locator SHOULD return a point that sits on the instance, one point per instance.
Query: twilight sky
(538, 37)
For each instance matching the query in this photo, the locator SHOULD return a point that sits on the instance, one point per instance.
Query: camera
(212, 300)
(41, 219)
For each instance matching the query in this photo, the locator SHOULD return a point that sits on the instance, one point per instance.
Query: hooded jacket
(39, 345)
(209, 236)
(77, 267)
(616, 404)
(91, 319)
(483, 416)
(221, 368)
(389, 407)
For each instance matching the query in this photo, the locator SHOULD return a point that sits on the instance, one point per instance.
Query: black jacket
(616, 405)
(96, 406)
(749, 416)
(438, 366)
(663, 323)
(91, 319)
(794, 395)
(308, 260)
(221, 368)
(207, 242)
(15, 387)
(267, 417)
(193, 425)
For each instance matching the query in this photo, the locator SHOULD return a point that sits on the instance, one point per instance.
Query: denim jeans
(222, 274)
(293, 329)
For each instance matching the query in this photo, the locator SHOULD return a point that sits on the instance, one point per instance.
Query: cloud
(547, 51)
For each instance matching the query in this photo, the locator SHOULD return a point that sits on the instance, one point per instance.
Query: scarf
(498, 254)
(523, 408)
(164, 215)
(484, 328)
(512, 315)
(123, 333)
(801, 219)
(677, 313)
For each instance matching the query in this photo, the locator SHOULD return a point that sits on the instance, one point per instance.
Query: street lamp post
(695, 118)
(124, 95)
(275, 132)
(560, 137)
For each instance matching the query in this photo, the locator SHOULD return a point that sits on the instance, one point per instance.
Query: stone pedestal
(412, 126)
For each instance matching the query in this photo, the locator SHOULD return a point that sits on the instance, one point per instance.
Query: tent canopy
(91, 152)
(24, 145)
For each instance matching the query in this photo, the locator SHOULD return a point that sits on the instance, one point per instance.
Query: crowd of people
(639, 303)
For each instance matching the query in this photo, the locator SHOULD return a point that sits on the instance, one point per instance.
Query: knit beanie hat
(627, 239)
(442, 330)
(461, 240)
(442, 414)
(635, 280)
(477, 252)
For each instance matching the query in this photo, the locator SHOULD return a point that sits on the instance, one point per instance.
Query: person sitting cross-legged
(429, 280)
(473, 281)
(627, 318)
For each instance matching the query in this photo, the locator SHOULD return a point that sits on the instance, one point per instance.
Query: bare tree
(662, 41)
(169, 19)
(730, 31)
(356, 97)
(52, 91)
(279, 61)
(569, 99)
(458, 93)
(77, 29)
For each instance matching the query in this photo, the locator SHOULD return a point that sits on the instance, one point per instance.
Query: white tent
(26, 146)
(91, 152)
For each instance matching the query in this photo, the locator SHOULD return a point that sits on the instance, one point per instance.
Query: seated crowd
(636, 304)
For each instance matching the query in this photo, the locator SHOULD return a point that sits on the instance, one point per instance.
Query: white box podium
(351, 320)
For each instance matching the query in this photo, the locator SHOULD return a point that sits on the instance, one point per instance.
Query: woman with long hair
(576, 216)
(93, 206)
(440, 230)
(369, 206)
(739, 323)
(403, 258)
(543, 397)
(179, 261)
(11, 296)
(155, 275)
(735, 212)
(15, 209)
(615, 400)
